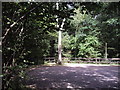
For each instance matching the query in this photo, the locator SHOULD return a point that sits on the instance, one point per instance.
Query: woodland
(29, 33)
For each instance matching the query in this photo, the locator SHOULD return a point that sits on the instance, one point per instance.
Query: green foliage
(14, 76)
(85, 42)
(30, 33)
(77, 19)
(66, 41)
(89, 47)
(25, 37)
(102, 24)
(109, 22)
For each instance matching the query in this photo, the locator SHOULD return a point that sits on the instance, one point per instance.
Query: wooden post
(106, 51)
(96, 60)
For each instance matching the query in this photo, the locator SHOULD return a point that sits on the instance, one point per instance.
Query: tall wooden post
(106, 53)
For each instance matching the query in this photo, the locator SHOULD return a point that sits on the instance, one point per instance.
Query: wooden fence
(83, 60)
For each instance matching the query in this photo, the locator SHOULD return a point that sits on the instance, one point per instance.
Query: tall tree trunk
(59, 48)
(59, 39)
(60, 27)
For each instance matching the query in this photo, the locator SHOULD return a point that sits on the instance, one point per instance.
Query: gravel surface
(74, 76)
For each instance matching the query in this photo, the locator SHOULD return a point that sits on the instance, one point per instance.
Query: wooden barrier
(82, 60)
(50, 59)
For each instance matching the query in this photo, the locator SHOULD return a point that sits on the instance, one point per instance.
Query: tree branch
(12, 25)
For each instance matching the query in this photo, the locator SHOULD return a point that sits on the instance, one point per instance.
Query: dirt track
(74, 76)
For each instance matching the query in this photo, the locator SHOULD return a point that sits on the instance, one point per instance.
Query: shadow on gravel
(73, 77)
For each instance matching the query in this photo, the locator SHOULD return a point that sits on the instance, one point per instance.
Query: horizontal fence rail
(84, 60)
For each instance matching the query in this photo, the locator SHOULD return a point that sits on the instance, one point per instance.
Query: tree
(25, 36)
(109, 23)
(30, 33)
(86, 41)
(60, 24)
(28, 28)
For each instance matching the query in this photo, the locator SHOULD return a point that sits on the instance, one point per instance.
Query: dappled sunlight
(75, 65)
(85, 76)
(69, 85)
(83, 65)
(32, 68)
(33, 86)
(44, 79)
